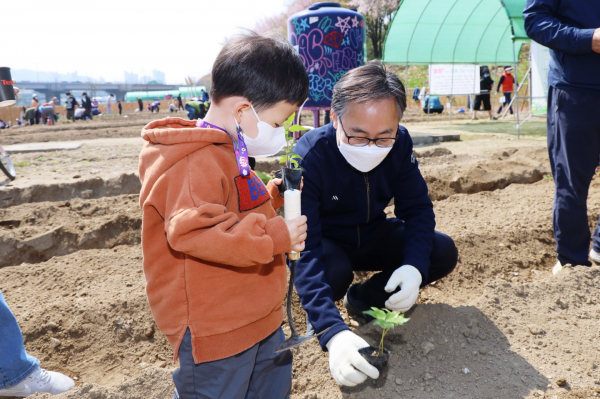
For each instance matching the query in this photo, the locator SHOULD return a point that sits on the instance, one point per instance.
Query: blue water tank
(331, 41)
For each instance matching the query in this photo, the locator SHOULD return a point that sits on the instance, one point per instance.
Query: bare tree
(378, 15)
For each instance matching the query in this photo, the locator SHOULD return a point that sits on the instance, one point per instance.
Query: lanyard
(241, 152)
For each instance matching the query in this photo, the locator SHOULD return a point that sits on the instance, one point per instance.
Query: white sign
(453, 80)
(540, 64)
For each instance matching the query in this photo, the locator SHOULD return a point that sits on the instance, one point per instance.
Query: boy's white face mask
(269, 141)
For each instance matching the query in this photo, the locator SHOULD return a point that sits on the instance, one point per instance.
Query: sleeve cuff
(279, 233)
(276, 198)
(336, 328)
(421, 267)
(584, 40)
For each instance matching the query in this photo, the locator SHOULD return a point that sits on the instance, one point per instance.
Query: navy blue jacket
(346, 206)
(567, 27)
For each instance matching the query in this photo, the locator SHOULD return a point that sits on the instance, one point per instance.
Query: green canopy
(455, 32)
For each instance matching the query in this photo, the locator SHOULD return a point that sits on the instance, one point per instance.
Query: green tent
(456, 32)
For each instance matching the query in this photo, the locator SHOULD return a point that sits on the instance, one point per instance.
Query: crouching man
(353, 167)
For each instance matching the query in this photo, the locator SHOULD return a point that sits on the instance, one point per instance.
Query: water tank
(331, 41)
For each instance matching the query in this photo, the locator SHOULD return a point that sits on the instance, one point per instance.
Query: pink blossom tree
(379, 14)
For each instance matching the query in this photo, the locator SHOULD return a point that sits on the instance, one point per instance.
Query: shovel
(292, 210)
(296, 339)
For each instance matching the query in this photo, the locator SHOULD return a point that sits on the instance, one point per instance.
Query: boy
(213, 247)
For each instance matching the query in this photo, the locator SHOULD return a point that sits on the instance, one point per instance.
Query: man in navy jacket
(353, 168)
(571, 29)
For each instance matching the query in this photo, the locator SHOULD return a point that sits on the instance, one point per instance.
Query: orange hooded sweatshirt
(213, 247)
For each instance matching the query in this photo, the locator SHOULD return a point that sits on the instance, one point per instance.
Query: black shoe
(355, 307)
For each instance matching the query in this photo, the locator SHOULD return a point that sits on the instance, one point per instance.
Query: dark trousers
(506, 102)
(256, 373)
(383, 253)
(574, 149)
(192, 114)
(70, 114)
(88, 113)
(180, 106)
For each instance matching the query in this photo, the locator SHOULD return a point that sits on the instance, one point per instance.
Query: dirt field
(500, 326)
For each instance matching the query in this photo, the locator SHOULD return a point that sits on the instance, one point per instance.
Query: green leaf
(296, 156)
(290, 119)
(296, 128)
(282, 159)
(265, 178)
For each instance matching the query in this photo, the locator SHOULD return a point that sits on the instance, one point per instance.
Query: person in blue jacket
(353, 168)
(571, 29)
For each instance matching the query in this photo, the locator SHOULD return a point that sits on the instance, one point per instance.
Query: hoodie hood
(169, 140)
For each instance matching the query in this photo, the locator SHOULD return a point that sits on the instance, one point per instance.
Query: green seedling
(387, 320)
(290, 159)
(548, 176)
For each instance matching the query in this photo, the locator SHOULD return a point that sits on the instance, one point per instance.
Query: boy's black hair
(265, 70)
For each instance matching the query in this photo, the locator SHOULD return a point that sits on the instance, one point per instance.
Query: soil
(499, 326)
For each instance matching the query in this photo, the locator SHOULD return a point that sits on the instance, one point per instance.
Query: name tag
(252, 192)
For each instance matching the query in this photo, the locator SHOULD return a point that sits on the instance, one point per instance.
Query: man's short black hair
(68, 94)
(265, 70)
(84, 94)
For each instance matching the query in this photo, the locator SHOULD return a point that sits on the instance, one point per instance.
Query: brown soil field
(499, 326)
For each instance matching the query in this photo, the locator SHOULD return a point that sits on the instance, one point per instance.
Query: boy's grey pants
(256, 373)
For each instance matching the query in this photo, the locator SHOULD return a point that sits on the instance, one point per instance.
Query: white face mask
(364, 158)
(269, 141)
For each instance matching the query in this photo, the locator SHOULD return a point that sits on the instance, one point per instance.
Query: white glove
(347, 366)
(409, 279)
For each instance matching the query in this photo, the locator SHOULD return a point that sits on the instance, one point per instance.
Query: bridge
(54, 89)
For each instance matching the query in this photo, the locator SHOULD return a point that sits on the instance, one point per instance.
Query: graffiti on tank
(328, 50)
(325, 25)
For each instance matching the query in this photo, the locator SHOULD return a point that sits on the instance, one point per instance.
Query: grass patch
(22, 164)
(533, 129)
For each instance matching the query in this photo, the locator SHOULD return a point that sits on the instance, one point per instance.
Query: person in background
(203, 96)
(195, 109)
(172, 108)
(80, 114)
(109, 101)
(34, 101)
(71, 105)
(571, 29)
(120, 107)
(140, 104)
(179, 102)
(86, 103)
(156, 105)
(507, 82)
(20, 373)
(47, 113)
(485, 86)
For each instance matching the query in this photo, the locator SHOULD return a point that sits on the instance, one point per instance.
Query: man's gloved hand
(347, 366)
(409, 279)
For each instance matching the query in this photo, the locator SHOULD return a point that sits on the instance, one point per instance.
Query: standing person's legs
(70, 114)
(507, 97)
(107, 109)
(385, 253)
(257, 372)
(573, 146)
(15, 363)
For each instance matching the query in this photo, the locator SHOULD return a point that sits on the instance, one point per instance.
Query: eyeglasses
(364, 141)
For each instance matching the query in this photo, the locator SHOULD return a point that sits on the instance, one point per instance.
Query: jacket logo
(412, 158)
(334, 198)
(252, 192)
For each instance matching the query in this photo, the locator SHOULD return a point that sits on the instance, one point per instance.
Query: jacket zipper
(366, 176)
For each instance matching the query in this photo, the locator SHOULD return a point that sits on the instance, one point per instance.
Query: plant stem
(385, 330)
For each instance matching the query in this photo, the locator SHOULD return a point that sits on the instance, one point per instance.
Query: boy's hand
(297, 228)
(277, 182)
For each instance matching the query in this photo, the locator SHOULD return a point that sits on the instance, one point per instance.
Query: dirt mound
(96, 187)
(87, 315)
(33, 233)
(435, 152)
(468, 174)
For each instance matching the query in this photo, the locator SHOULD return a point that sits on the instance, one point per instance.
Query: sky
(105, 38)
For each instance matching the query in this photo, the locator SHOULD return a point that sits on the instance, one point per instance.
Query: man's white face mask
(363, 158)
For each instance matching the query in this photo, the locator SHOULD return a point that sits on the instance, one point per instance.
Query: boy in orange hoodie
(213, 246)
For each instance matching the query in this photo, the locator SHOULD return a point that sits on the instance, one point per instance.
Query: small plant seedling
(264, 177)
(290, 159)
(387, 320)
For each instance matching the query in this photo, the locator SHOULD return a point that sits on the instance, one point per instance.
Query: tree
(378, 15)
